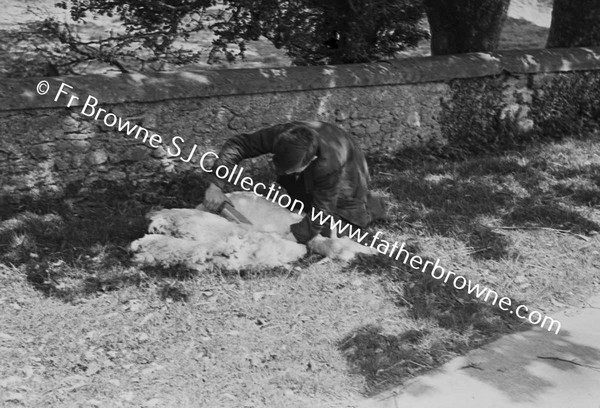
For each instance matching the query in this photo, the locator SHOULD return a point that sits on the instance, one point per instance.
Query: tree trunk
(461, 26)
(575, 24)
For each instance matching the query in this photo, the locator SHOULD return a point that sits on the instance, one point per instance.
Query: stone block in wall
(152, 164)
(237, 123)
(80, 146)
(150, 121)
(387, 109)
(386, 127)
(89, 181)
(73, 146)
(222, 116)
(133, 154)
(385, 117)
(203, 128)
(40, 127)
(159, 152)
(41, 151)
(13, 153)
(341, 115)
(413, 119)
(359, 130)
(372, 127)
(97, 157)
(77, 161)
(84, 129)
(61, 164)
(167, 165)
(76, 136)
(114, 176)
(70, 124)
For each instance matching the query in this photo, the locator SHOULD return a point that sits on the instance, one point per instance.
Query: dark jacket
(337, 180)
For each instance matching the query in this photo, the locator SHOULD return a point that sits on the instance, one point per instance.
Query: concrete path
(510, 373)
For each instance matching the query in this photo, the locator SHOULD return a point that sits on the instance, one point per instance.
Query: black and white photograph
(300, 204)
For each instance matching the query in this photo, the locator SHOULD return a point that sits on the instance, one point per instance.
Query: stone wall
(51, 141)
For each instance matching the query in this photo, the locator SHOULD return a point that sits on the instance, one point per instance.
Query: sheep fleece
(199, 239)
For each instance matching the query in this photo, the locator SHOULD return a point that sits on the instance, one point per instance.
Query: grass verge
(82, 326)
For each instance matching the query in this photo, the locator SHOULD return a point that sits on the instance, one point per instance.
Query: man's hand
(214, 199)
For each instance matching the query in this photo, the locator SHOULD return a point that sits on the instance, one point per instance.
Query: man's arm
(325, 197)
(244, 146)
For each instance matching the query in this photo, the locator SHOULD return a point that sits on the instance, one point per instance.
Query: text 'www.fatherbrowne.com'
(91, 109)
(398, 251)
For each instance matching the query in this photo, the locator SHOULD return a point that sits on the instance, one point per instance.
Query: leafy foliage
(472, 120)
(562, 106)
(152, 31)
(31, 51)
(51, 48)
(568, 105)
(317, 32)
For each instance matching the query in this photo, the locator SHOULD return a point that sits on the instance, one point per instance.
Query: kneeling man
(317, 163)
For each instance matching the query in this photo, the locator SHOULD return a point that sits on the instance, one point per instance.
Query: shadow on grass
(450, 198)
(461, 200)
(77, 245)
(458, 321)
(582, 191)
(448, 207)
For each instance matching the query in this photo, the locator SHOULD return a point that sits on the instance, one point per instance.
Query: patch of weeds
(178, 272)
(262, 272)
(77, 243)
(490, 244)
(382, 358)
(472, 121)
(24, 236)
(176, 291)
(69, 283)
(566, 105)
